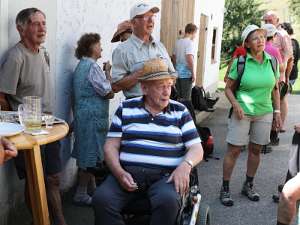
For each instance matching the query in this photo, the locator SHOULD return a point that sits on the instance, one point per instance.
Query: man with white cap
(129, 56)
(150, 150)
(283, 42)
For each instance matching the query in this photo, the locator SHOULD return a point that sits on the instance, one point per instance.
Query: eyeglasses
(146, 18)
(257, 38)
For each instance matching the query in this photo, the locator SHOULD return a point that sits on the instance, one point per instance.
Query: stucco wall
(76, 17)
(66, 21)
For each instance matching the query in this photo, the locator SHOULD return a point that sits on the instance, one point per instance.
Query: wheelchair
(192, 212)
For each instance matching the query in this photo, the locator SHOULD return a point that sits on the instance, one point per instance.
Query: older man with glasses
(129, 57)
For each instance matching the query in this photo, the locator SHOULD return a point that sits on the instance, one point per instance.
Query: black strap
(240, 67)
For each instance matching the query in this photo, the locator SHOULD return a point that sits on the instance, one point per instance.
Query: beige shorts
(254, 129)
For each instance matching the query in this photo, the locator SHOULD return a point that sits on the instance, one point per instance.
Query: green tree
(238, 15)
(294, 6)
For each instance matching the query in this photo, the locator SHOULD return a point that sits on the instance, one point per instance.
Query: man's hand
(277, 121)
(181, 178)
(7, 150)
(126, 181)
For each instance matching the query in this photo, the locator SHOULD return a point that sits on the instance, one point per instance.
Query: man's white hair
(270, 13)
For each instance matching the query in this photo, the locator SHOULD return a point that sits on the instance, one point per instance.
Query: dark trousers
(184, 88)
(110, 198)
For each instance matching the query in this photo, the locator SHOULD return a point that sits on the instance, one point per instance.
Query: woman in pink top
(270, 47)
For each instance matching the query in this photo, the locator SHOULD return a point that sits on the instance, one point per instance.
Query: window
(213, 46)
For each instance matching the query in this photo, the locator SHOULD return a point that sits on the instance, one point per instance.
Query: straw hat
(156, 69)
(122, 27)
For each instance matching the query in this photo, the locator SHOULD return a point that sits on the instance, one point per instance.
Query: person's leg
(186, 88)
(165, 202)
(259, 135)
(178, 88)
(53, 168)
(81, 196)
(237, 136)
(284, 110)
(288, 199)
(108, 201)
(54, 198)
(252, 165)
(253, 159)
(230, 158)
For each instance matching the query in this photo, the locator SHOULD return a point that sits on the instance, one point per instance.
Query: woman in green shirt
(254, 99)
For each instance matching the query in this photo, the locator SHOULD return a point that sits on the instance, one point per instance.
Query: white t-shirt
(183, 47)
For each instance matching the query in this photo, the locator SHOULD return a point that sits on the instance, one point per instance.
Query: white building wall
(215, 12)
(66, 21)
(76, 17)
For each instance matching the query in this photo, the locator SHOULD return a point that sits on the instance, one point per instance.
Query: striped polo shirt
(153, 141)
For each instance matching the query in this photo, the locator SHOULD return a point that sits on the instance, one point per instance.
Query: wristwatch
(189, 162)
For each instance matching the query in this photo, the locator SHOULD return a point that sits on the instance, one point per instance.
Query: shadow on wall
(63, 96)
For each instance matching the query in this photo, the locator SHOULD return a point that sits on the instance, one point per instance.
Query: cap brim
(158, 76)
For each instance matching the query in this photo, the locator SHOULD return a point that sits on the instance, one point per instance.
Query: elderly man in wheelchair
(151, 149)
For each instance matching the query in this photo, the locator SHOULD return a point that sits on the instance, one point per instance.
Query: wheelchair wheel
(203, 217)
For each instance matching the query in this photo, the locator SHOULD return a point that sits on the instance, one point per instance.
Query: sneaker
(82, 200)
(274, 142)
(225, 197)
(266, 149)
(249, 192)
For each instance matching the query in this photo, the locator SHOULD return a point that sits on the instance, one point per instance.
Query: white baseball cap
(270, 28)
(142, 8)
(249, 29)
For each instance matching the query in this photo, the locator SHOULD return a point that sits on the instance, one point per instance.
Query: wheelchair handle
(195, 210)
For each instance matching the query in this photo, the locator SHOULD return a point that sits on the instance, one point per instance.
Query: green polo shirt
(255, 92)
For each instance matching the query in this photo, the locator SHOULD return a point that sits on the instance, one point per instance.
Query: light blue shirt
(130, 56)
(98, 79)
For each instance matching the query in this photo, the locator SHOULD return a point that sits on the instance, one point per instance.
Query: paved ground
(271, 172)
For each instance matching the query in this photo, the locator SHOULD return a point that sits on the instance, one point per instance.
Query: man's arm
(181, 175)
(112, 159)
(289, 68)
(190, 63)
(276, 106)
(127, 82)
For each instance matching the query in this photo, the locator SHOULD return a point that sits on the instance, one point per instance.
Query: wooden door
(175, 14)
(201, 53)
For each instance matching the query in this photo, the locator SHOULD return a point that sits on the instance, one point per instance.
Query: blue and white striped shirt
(153, 141)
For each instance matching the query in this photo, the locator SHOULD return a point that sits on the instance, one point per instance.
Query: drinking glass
(49, 120)
(30, 115)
